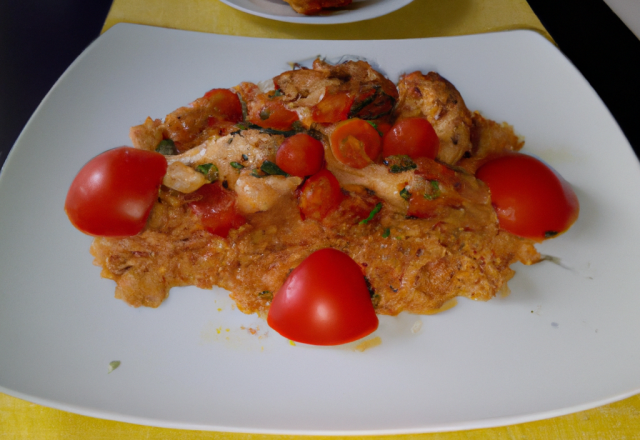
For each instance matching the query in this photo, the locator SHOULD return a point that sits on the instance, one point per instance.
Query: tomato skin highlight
(324, 301)
(216, 208)
(355, 143)
(530, 199)
(413, 137)
(320, 195)
(114, 192)
(300, 155)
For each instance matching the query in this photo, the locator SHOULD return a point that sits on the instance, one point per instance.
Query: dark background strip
(40, 38)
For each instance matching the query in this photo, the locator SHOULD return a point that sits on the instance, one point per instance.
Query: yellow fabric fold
(422, 18)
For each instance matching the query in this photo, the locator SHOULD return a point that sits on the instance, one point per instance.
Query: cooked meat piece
(312, 7)
(433, 97)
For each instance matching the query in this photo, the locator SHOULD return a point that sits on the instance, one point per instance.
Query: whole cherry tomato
(114, 192)
(332, 108)
(325, 301)
(300, 155)
(413, 137)
(216, 208)
(320, 195)
(356, 143)
(530, 198)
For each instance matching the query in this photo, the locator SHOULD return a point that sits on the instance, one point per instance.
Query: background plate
(281, 11)
(566, 339)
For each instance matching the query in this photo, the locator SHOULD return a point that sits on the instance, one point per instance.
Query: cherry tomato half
(413, 137)
(530, 198)
(320, 195)
(216, 208)
(271, 113)
(334, 107)
(325, 301)
(114, 192)
(356, 143)
(223, 105)
(300, 155)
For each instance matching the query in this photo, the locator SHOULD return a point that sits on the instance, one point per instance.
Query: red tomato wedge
(114, 192)
(216, 208)
(413, 137)
(529, 197)
(320, 195)
(324, 301)
(333, 108)
(355, 143)
(300, 155)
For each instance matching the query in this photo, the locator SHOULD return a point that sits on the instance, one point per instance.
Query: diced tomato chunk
(216, 209)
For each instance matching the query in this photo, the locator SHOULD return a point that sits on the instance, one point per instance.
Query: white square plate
(566, 339)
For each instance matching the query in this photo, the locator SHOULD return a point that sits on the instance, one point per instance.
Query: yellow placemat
(419, 19)
(422, 18)
(20, 420)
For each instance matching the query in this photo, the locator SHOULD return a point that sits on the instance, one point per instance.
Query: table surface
(40, 38)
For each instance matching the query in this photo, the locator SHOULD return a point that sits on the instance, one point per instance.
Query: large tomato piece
(114, 192)
(530, 199)
(320, 195)
(413, 137)
(356, 143)
(325, 301)
(300, 155)
(216, 208)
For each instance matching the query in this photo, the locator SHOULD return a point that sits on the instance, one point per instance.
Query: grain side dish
(253, 180)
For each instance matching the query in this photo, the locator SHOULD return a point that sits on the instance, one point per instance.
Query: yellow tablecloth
(422, 18)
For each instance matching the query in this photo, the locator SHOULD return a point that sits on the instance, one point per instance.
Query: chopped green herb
(386, 233)
(405, 194)
(236, 165)
(374, 125)
(209, 170)
(245, 157)
(372, 214)
(113, 365)
(435, 187)
(265, 113)
(276, 93)
(167, 147)
(271, 169)
(399, 163)
(257, 173)
(242, 126)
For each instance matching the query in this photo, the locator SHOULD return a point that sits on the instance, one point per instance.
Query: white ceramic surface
(279, 10)
(566, 339)
(629, 13)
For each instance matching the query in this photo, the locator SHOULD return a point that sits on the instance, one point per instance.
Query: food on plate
(333, 176)
(530, 198)
(324, 301)
(114, 192)
(312, 7)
